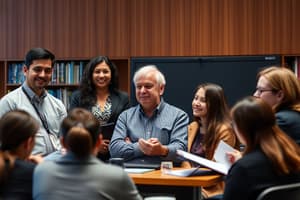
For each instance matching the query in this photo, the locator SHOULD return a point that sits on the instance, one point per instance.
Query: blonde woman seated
(211, 125)
(79, 174)
(280, 88)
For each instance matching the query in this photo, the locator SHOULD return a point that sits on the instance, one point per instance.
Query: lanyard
(41, 116)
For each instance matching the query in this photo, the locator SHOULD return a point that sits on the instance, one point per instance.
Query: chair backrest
(281, 192)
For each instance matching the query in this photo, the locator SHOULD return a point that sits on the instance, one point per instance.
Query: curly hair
(87, 87)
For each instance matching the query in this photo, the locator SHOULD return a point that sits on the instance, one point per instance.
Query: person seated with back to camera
(211, 124)
(99, 94)
(79, 169)
(153, 130)
(270, 157)
(280, 88)
(17, 133)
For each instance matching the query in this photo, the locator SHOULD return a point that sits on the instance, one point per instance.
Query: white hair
(143, 71)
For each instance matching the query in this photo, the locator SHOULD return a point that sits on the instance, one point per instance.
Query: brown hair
(217, 115)
(80, 130)
(283, 79)
(256, 122)
(15, 127)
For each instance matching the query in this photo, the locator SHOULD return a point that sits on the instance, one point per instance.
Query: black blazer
(250, 175)
(289, 122)
(119, 101)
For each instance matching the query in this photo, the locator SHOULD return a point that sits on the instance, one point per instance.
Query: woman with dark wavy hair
(270, 157)
(99, 94)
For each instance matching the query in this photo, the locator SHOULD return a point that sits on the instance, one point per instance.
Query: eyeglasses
(259, 91)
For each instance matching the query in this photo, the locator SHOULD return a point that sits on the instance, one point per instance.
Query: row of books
(63, 72)
(15, 73)
(67, 72)
(63, 94)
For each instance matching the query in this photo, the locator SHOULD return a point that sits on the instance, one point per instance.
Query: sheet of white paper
(220, 153)
(189, 172)
(181, 172)
(219, 167)
(138, 170)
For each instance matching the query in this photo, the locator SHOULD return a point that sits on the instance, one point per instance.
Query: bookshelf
(292, 62)
(65, 79)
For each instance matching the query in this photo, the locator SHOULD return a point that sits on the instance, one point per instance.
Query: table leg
(197, 193)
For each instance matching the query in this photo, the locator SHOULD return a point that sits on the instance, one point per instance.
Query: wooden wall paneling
(140, 25)
(270, 26)
(179, 30)
(74, 22)
(240, 20)
(163, 34)
(40, 25)
(3, 30)
(2, 80)
(204, 27)
(60, 29)
(14, 14)
(117, 28)
(215, 27)
(198, 16)
(152, 30)
(97, 28)
(295, 28)
(76, 28)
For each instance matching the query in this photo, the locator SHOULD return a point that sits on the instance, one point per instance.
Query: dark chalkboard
(236, 74)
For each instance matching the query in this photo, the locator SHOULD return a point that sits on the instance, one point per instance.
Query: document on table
(138, 170)
(189, 172)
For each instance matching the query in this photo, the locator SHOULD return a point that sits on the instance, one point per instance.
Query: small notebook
(107, 130)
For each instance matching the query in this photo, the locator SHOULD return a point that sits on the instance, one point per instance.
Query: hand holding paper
(222, 163)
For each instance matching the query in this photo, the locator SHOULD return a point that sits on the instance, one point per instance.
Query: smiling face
(199, 104)
(38, 75)
(102, 75)
(148, 91)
